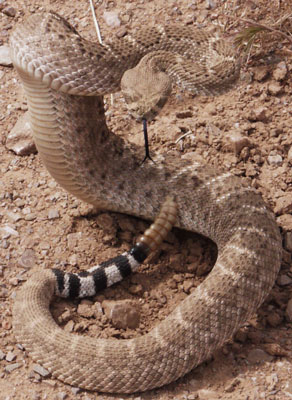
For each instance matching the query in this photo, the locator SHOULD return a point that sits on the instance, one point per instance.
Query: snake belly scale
(65, 77)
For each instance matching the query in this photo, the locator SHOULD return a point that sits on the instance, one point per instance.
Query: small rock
(241, 336)
(30, 217)
(27, 259)
(136, 289)
(284, 280)
(121, 32)
(210, 4)
(288, 241)
(184, 114)
(41, 370)
(274, 88)
(9, 11)
(6, 231)
(85, 310)
(73, 260)
(10, 356)
(284, 204)
(62, 396)
(188, 285)
(111, 19)
(259, 114)
(123, 313)
(261, 73)
(289, 156)
(288, 389)
(206, 394)
(275, 160)
(5, 58)
(285, 221)
(210, 109)
(11, 367)
(73, 240)
(69, 327)
(20, 139)
(53, 214)
(75, 390)
(280, 72)
(274, 349)
(274, 319)
(13, 216)
(289, 310)
(2, 355)
(257, 356)
(236, 142)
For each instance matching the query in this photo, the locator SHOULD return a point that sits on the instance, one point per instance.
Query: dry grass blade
(245, 38)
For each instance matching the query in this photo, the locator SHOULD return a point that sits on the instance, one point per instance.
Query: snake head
(145, 91)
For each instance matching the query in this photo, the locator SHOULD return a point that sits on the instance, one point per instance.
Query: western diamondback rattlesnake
(88, 160)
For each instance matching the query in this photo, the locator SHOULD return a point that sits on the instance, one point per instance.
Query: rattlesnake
(65, 77)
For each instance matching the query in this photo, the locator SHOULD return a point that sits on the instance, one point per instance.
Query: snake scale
(65, 78)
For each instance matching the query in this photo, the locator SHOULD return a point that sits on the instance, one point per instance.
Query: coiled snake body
(65, 77)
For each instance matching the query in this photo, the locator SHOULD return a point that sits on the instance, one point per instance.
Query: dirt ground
(246, 131)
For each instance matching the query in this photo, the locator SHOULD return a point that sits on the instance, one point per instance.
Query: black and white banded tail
(88, 283)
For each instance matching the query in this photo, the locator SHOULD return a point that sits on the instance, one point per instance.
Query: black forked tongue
(147, 153)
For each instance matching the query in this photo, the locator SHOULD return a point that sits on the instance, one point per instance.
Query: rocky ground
(246, 131)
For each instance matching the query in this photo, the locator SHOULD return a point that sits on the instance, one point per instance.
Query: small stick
(95, 21)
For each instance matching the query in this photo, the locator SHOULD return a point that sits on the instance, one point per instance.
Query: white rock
(275, 160)
(20, 138)
(6, 231)
(5, 56)
(111, 19)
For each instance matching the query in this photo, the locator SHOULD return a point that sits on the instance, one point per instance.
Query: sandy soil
(51, 228)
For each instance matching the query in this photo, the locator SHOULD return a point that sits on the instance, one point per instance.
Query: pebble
(275, 160)
(10, 356)
(27, 259)
(184, 114)
(284, 204)
(2, 355)
(274, 88)
(62, 396)
(13, 216)
(285, 221)
(75, 390)
(236, 142)
(53, 214)
(259, 114)
(257, 356)
(20, 139)
(289, 310)
(5, 59)
(288, 241)
(261, 73)
(210, 109)
(188, 285)
(206, 394)
(274, 349)
(289, 156)
(40, 370)
(123, 313)
(11, 367)
(284, 280)
(274, 319)
(111, 19)
(9, 11)
(85, 310)
(6, 231)
(280, 72)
